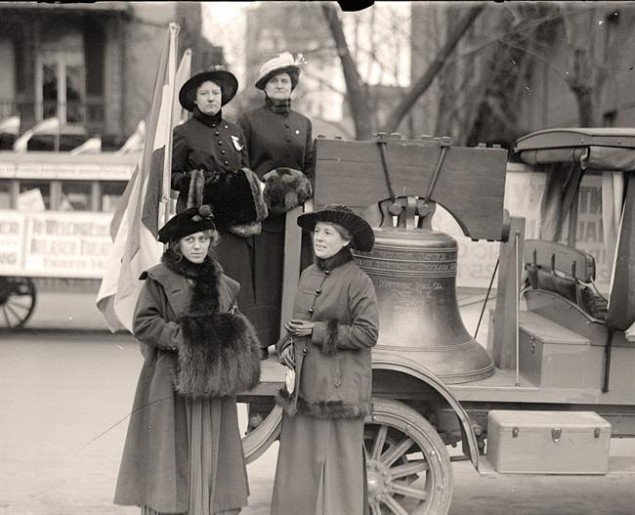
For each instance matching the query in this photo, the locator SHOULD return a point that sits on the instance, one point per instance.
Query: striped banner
(145, 205)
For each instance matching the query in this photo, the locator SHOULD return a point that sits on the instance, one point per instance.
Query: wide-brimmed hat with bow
(227, 82)
(284, 63)
(188, 221)
(363, 235)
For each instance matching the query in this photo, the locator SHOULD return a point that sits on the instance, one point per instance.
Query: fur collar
(204, 298)
(342, 257)
(278, 106)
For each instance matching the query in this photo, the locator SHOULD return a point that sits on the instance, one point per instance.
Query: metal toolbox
(548, 442)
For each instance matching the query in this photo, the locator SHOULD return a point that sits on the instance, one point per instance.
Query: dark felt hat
(227, 81)
(363, 235)
(188, 221)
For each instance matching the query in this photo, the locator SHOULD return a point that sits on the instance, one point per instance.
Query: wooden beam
(471, 183)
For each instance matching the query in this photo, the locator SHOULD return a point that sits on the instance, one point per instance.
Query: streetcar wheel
(17, 301)
(407, 464)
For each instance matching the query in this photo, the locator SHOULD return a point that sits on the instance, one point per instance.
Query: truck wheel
(407, 464)
(257, 440)
(17, 301)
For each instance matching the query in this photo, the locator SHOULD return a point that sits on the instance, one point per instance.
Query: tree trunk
(356, 94)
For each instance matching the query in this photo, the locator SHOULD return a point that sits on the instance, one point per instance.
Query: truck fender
(396, 363)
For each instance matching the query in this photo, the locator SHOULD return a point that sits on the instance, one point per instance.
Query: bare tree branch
(426, 80)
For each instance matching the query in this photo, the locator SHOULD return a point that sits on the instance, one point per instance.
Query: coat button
(305, 351)
(311, 310)
(318, 291)
(213, 125)
(222, 151)
(217, 133)
(327, 272)
(220, 142)
(226, 162)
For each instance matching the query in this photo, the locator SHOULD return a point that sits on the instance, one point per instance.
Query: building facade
(91, 65)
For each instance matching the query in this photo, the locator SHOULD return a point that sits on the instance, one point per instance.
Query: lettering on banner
(10, 242)
(61, 246)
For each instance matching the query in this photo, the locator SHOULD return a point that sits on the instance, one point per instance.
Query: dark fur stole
(219, 356)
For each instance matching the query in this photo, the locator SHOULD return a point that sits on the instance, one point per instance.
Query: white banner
(54, 244)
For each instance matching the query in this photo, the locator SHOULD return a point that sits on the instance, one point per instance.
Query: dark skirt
(269, 250)
(321, 468)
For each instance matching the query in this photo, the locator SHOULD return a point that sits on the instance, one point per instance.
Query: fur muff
(293, 405)
(236, 197)
(219, 356)
(285, 188)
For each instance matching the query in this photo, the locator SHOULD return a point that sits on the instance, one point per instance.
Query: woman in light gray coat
(335, 324)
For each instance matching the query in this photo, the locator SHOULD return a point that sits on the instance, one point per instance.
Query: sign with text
(54, 244)
(523, 194)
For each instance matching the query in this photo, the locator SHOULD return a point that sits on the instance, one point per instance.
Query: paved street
(64, 398)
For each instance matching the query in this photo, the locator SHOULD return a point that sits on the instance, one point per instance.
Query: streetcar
(552, 385)
(55, 214)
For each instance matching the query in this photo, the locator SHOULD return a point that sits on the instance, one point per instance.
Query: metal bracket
(556, 434)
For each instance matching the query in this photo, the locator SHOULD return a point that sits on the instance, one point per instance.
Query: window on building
(111, 193)
(76, 196)
(5, 194)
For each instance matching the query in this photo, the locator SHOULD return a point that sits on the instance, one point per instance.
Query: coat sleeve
(180, 152)
(150, 325)
(363, 330)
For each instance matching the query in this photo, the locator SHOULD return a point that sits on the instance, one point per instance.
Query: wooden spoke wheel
(407, 464)
(17, 301)
(257, 440)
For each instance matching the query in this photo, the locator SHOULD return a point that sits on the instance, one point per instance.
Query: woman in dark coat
(183, 451)
(335, 324)
(280, 146)
(210, 144)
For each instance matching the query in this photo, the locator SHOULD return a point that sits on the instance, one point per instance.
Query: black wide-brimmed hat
(188, 221)
(363, 235)
(227, 82)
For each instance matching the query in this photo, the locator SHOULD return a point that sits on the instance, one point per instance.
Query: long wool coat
(219, 146)
(155, 469)
(274, 140)
(321, 444)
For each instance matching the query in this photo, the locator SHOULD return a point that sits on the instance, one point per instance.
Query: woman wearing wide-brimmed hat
(279, 141)
(335, 324)
(210, 164)
(183, 452)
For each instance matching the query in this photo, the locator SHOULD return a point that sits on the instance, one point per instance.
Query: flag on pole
(144, 206)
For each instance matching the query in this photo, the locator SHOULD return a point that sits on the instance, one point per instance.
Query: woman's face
(327, 240)
(278, 87)
(195, 246)
(209, 97)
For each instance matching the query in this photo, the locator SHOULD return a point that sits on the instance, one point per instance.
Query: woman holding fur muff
(183, 451)
(210, 165)
(321, 468)
(280, 147)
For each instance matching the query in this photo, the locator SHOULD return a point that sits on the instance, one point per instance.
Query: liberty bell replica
(413, 269)
(396, 184)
